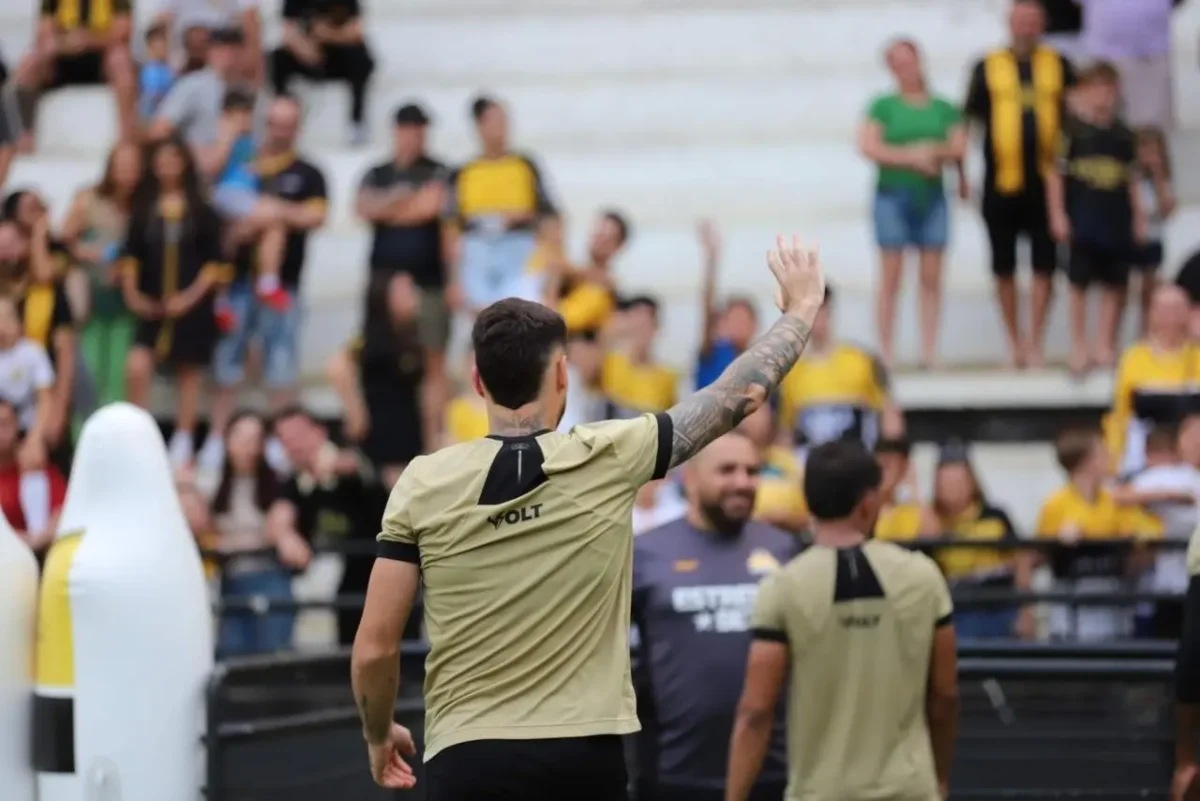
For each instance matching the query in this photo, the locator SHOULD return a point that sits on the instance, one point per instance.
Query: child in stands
(156, 76)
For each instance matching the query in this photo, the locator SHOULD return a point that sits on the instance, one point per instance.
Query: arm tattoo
(742, 388)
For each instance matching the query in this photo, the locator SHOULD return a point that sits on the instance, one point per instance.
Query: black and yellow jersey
(632, 389)
(991, 566)
(483, 187)
(833, 395)
(780, 498)
(1084, 524)
(92, 15)
(466, 419)
(1019, 102)
(1152, 387)
(901, 522)
(45, 310)
(586, 306)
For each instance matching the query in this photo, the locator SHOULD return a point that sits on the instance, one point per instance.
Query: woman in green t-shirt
(912, 135)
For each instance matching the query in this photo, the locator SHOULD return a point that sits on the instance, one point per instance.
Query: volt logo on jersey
(761, 561)
(513, 516)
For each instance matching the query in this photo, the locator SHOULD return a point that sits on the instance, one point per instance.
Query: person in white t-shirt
(26, 383)
(191, 20)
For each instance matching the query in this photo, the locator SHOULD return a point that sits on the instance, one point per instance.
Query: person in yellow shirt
(584, 295)
(631, 380)
(1084, 517)
(901, 518)
(964, 513)
(836, 390)
(780, 497)
(466, 415)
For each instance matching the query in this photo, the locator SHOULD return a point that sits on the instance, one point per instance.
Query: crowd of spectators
(186, 259)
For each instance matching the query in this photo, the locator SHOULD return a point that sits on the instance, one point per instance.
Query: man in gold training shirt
(522, 542)
(860, 632)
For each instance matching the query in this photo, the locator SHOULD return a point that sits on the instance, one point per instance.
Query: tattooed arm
(749, 381)
(742, 389)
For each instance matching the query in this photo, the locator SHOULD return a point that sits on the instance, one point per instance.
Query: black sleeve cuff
(770, 635)
(1187, 658)
(400, 551)
(944, 620)
(666, 433)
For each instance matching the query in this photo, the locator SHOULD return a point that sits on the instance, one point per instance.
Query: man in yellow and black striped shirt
(80, 42)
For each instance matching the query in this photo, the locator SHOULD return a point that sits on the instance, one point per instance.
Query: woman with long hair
(379, 376)
(912, 135)
(245, 490)
(171, 267)
(94, 233)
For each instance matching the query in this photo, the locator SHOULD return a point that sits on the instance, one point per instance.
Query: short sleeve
(877, 111)
(951, 116)
(545, 206)
(176, 107)
(315, 187)
(397, 537)
(767, 620)
(372, 179)
(62, 309)
(978, 103)
(1068, 72)
(1049, 520)
(642, 444)
(42, 370)
(452, 211)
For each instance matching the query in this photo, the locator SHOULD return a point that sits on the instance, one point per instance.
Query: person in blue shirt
(156, 76)
(728, 330)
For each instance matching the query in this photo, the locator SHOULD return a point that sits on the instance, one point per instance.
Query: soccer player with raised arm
(523, 543)
(860, 633)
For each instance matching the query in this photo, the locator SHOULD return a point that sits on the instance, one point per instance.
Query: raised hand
(797, 268)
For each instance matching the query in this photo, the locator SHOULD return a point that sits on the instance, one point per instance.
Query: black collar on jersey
(518, 437)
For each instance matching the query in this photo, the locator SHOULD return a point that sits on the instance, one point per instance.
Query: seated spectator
(245, 490)
(192, 110)
(45, 258)
(1136, 38)
(902, 518)
(836, 390)
(156, 75)
(402, 199)
(26, 386)
(631, 379)
(725, 331)
(496, 203)
(94, 233)
(80, 43)
(333, 498)
(780, 497)
(585, 402)
(171, 270)
(299, 199)
(1154, 185)
(190, 22)
(964, 513)
(199, 521)
(378, 377)
(1155, 381)
(1095, 206)
(1081, 515)
(466, 414)
(585, 295)
(326, 41)
(23, 497)
(912, 135)
(1168, 488)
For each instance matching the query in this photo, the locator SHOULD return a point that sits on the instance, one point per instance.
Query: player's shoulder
(451, 464)
(895, 558)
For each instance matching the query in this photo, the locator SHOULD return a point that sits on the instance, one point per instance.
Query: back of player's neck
(521, 422)
(838, 535)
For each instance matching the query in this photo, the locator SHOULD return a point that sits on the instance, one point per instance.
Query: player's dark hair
(642, 301)
(266, 483)
(1073, 446)
(837, 476)
(514, 340)
(1162, 439)
(621, 221)
(291, 411)
(1102, 72)
(480, 106)
(897, 445)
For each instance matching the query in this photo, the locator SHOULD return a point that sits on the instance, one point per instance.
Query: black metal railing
(1039, 722)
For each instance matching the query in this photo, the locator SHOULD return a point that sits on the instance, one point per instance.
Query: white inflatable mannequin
(125, 639)
(18, 615)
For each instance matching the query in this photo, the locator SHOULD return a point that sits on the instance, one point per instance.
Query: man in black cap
(402, 199)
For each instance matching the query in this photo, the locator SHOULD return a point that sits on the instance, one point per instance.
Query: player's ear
(477, 382)
(560, 371)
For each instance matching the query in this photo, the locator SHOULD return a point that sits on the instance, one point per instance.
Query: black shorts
(85, 69)
(565, 769)
(1147, 257)
(1098, 264)
(1008, 217)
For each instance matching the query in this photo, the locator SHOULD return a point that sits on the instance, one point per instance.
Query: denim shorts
(234, 202)
(278, 332)
(493, 267)
(906, 218)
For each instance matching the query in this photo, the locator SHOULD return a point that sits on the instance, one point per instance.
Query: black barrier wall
(1038, 722)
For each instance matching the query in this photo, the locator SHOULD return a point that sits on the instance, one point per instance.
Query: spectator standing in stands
(1156, 382)
(964, 513)
(902, 518)
(837, 390)
(14, 497)
(585, 295)
(156, 75)
(80, 42)
(694, 584)
(378, 377)
(402, 199)
(630, 378)
(496, 203)
(1081, 516)
(780, 497)
(1136, 39)
(94, 232)
(172, 267)
(26, 385)
(1095, 206)
(725, 331)
(333, 498)
(298, 190)
(912, 135)
(324, 40)
(246, 488)
(190, 23)
(1016, 95)
(1154, 185)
